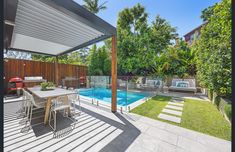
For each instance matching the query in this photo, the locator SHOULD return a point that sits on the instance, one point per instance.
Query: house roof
(192, 31)
(52, 27)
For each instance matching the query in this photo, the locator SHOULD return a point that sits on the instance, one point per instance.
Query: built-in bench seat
(183, 85)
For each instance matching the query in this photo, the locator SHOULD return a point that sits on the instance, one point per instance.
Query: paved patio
(100, 130)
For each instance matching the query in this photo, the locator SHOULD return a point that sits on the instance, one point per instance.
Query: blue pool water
(123, 98)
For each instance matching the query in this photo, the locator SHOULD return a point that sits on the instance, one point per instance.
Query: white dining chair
(25, 107)
(58, 104)
(32, 105)
(73, 99)
(21, 111)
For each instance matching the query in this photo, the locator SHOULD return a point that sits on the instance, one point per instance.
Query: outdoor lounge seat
(183, 85)
(150, 84)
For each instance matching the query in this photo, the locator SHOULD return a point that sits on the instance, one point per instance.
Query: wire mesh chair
(21, 111)
(32, 105)
(74, 98)
(25, 107)
(70, 88)
(58, 104)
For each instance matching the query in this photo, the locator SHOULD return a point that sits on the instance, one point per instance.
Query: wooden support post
(56, 72)
(114, 74)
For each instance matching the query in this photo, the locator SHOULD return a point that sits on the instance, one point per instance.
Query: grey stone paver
(163, 135)
(165, 147)
(176, 104)
(169, 118)
(101, 128)
(213, 142)
(174, 107)
(193, 146)
(174, 112)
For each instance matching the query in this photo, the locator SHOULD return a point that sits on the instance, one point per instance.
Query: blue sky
(183, 14)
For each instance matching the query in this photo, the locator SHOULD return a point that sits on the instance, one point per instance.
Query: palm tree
(93, 6)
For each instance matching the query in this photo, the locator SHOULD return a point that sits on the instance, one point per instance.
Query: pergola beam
(86, 44)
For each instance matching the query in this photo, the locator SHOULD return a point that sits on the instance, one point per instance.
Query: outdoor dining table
(49, 95)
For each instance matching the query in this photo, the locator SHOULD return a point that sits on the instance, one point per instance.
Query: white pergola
(55, 27)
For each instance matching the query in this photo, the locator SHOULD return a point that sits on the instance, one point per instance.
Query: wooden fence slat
(23, 68)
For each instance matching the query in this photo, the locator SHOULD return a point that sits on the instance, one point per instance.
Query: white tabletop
(50, 93)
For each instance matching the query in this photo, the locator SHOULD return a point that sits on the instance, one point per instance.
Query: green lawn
(197, 115)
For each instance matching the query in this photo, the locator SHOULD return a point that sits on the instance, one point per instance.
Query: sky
(182, 14)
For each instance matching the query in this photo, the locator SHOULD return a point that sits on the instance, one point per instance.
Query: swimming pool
(123, 98)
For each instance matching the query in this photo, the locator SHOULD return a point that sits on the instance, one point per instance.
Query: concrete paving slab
(163, 135)
(177, 101)
(193, 146)
(176, 104)
(169, 118)
(174, 107)
(173, 112)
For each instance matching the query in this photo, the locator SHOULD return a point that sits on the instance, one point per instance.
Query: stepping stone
(177, 101)
(176, 104)
(173, 112)
(174, 107)
(169, 118)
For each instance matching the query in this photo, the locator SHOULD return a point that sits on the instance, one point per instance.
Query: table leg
(48, 105)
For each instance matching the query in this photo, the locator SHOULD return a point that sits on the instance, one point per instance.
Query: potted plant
(47, 86)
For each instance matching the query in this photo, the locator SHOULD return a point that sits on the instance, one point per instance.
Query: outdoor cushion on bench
(183, 85)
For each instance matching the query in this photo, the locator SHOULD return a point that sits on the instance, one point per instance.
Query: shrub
(210, 94)
(228, 110)
(217, 101)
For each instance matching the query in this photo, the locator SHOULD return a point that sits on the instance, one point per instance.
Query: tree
(130, 28)
(74, 58)
(207, 12)
(99, 61)
(176, 60)
(93, 6)
(140, 43)
(84, 52)
(213, 51)
(43, 58)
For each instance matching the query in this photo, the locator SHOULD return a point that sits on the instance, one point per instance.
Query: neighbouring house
(194, 34)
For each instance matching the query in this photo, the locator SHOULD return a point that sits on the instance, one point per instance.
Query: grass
(197, 115)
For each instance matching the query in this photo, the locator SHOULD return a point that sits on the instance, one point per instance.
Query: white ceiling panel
(36, 45)
(44, 29)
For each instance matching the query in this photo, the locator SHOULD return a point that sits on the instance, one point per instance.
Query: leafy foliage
(177, 61)
(99, 61)
(47, 86)
(93, 6)
(213, 51)
(228, 110)
(207, 12)
(140, 43)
